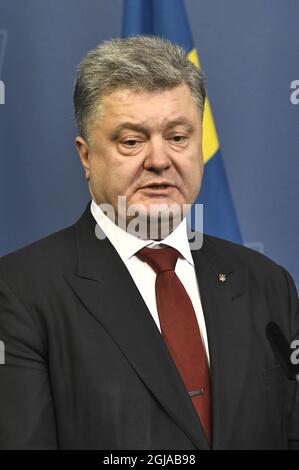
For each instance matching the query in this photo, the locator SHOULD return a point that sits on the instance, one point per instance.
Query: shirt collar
(127, 245)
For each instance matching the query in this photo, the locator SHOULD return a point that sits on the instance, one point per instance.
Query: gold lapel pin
(222, 277)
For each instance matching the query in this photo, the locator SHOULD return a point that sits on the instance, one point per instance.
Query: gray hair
(141, 63)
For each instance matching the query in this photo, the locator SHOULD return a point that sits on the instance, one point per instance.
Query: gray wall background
(250, 52)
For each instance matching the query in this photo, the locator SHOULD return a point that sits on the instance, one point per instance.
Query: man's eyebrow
(180, 121)
(127, 125)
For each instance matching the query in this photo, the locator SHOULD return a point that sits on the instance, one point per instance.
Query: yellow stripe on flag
(210, 141)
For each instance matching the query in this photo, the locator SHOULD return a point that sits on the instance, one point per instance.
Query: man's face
(146, 146)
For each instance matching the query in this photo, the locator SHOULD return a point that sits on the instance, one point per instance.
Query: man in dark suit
(99, 352)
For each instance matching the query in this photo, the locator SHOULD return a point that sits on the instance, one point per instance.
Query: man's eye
(178, 139)
(130, 142)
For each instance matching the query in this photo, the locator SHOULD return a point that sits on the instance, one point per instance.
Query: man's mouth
(158, 185)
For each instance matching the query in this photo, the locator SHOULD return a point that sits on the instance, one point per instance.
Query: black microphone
(284, 351)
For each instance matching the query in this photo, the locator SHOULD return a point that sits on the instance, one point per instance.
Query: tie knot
(160, 259)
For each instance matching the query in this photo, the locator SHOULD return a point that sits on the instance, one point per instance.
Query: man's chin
(150, 219)
(155, 220)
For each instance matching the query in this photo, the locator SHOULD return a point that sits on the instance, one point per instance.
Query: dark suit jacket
(87, 368)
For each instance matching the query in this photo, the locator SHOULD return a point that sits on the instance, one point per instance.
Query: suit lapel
(105, 287)
(225, 306)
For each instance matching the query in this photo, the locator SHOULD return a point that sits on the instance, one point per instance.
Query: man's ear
(84, 155)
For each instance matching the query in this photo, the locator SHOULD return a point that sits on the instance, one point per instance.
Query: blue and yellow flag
(168, 19)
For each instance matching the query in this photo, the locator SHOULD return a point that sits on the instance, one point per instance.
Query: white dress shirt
(127, 245)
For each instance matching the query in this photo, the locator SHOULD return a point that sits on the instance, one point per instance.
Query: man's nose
(157, 158)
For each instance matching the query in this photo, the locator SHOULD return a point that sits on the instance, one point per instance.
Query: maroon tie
(180, 330)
